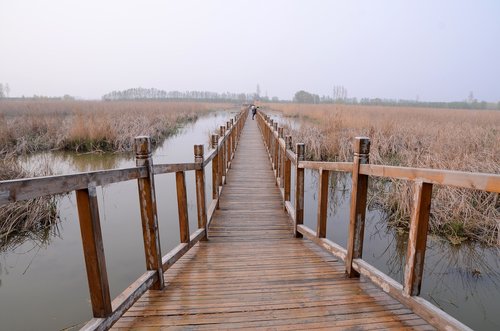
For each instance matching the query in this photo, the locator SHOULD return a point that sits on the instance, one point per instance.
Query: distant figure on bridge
(254, 110)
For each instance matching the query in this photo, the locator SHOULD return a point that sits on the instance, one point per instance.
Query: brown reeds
(465, 140)
(31, 219)
(90, 126)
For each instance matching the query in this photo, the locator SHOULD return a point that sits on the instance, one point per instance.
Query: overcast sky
(436, 50)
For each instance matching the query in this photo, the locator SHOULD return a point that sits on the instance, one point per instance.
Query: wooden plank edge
(211, 211)
(123, 302)
(462, 179)
(290, 210)
(175, 167)
(330, 166)
(30, 188)
(433, 315)
(324, 243)
(430, 313)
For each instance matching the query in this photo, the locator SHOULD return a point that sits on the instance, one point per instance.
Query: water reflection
(462, 280)
(43, 283)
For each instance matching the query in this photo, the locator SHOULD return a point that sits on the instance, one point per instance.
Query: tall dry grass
(89, 126)
(30, 219)
(463, 140)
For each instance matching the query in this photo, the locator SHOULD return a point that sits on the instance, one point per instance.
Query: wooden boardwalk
(253, 274)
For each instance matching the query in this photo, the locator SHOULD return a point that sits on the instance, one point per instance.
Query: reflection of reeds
(414, 137)
(31, 219)
(83, 126)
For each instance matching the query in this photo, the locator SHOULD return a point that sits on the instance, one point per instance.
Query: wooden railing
(283, 157)
(105, 311)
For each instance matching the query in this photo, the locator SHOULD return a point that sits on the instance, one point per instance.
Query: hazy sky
(438, 50)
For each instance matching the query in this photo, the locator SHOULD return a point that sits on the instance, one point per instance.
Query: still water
(43, 286)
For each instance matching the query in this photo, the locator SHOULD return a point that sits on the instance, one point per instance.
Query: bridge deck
(253, 274)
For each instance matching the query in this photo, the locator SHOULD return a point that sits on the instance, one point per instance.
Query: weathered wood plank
(30, 188)
(93, 251)
(182, 208)
(148, 208)
(293, 284)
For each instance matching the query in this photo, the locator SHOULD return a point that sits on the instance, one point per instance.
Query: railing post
(200, 189)
(299, 189)
(180, 179)
(215, 168)
(275, 149)
(223, 154)
(358, 205)
(281, 162)
(93, 251)
(147, 204)
(417, 238)
(270, 140)
(288, 172)
(229, 147)
(322, 203)
(233, 139)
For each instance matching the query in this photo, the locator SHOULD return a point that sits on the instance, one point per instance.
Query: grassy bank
(429, 138)
(90, 126)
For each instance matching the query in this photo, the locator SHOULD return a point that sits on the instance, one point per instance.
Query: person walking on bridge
(254, 110)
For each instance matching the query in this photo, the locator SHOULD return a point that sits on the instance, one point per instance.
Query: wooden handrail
(105, 311)
(361, 171)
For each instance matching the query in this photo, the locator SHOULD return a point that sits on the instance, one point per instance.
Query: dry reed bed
(81, 126)
(90, 126)
(428, 138)
(30, 219)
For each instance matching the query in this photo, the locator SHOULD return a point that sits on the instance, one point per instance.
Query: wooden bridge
(246, 265)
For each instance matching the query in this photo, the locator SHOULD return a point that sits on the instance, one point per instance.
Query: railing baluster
(180, 179)
(417, 238)
(215, 168)
(281, 161)
(223, 155)
(287, 172)
(299, 189)
(93, 251)
(147, 203)
(322, 203)
(200, 189)
(275, 149)
(358, 205)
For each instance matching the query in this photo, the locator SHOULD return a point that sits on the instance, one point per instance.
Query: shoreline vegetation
(31, 126)
(465, 140)
(90, 126)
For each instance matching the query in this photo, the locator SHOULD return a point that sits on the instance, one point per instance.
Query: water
(462, 280)
(43, 285)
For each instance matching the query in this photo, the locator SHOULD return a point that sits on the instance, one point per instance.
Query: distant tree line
(156, 94)
(340, 97)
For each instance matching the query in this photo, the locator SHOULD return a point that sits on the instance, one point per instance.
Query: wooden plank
(180, 179)
(159, 169)
(324, 243)
(201, 207)
(332, 166)
(148, 208)
(422, 307)
(292, 285)
(417, 239)
(123, 302)
(358, 205)
(93, 251)
(471, 180)
(299, 190)
(322, 203)
(30, 188)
